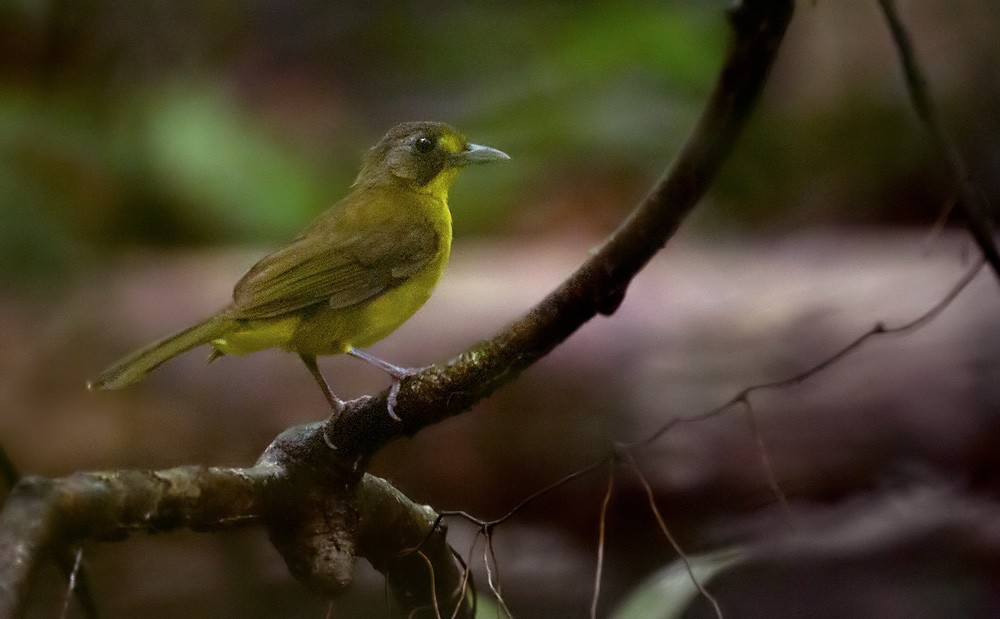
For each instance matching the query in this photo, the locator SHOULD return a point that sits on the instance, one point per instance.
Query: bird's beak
(475, 153)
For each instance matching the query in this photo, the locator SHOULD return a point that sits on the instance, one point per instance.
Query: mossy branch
(319, 517)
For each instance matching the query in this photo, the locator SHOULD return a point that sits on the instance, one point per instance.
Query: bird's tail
(135, 366)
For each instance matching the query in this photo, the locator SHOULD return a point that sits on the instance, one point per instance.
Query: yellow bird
(353, 276)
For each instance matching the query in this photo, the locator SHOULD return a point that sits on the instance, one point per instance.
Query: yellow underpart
(384, 314)
(439, 186)
(254, 335)
(330, 331)
(326, 330)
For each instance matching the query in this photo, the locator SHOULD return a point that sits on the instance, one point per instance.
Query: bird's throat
(440, 184)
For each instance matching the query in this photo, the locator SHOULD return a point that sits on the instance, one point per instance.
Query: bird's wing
(346, 257)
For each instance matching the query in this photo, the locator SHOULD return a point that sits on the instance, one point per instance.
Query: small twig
(486, 566)
(497, 588)
(765, 460)
(488, 525)
(938, 227)
(601, 529)
(878, 330)
(489, 556)
(434, 597)
(651, 498)
(486, 534)
(463, 588)
(971, 201)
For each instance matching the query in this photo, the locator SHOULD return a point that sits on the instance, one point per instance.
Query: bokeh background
(151, 152)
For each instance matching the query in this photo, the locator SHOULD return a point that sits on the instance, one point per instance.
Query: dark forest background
(150, 152)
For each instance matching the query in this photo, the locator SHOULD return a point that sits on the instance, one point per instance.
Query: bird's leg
(335, 403)
(397, 373)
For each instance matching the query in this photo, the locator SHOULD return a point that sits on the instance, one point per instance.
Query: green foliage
(45, 161)
(115, 143)
(184, 164)
(670, 592)
(236, 123)
(228, 173)
(798, 167)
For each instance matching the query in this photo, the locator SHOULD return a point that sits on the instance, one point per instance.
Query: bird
(355, 274)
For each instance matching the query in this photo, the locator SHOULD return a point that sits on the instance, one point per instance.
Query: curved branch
(599, 285)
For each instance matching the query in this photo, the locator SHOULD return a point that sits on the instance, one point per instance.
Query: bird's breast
(333, 330)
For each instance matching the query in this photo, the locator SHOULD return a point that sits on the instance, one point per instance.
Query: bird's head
(425, 156)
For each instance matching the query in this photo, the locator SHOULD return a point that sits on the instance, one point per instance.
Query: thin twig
(468, 562)
(765, 460)
(601, 529)
(463, 589)
(650, 497)
(498, 588)
(875, 331)
(434, 597)
(490, 524)
(878, 330)
(487, 556)
(971, 202)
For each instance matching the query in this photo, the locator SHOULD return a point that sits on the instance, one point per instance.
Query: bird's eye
(424, 144)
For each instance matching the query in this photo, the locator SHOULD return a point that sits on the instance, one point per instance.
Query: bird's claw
(397, 380)
(390, 402)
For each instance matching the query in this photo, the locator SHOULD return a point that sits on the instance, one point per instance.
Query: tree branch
(599, 284)
(42, 517)
(68, 561)
(318, 516)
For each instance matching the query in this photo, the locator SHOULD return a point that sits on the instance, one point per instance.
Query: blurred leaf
(46, 162)
(220, 161)
(668, 593)
(486, 606)
(679, 44)
(611, 80)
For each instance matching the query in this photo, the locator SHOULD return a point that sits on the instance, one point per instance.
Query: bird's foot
(397, 378)
(397, 373)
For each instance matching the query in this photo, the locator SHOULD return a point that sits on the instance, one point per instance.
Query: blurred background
(151, 152)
